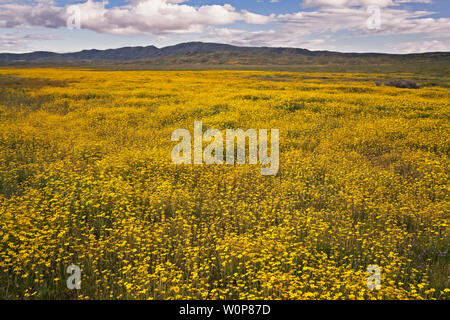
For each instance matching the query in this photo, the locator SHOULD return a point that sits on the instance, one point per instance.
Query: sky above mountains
(392, 26)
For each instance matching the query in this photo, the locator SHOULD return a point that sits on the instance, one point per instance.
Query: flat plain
(86, 179)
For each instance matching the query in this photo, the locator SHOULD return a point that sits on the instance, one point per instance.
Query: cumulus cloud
(393, 21)
(176, 17)
(137, 17)
(322, 22)
(326, 22)
(37, 13)
(293, 28)
(253, 18)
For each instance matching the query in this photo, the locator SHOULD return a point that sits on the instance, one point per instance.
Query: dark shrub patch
(406, 84)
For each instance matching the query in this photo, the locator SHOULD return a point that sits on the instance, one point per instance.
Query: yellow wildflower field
(86, 179)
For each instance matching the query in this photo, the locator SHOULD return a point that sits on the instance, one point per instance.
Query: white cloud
(18, 42)
(138, 17)
(253, 18)
(39, 13)
(414, 1)
(364, 3)
(393, 21)
(272, 38)
(421, 46)
(326, 20)
(295, 29)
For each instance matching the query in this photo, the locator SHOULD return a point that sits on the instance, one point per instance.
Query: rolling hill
(191, 48)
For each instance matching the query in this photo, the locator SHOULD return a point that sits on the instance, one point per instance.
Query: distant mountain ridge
(189, 48)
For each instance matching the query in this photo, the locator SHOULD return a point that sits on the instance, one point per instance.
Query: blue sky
(394, 26)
